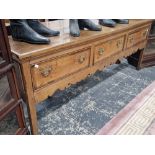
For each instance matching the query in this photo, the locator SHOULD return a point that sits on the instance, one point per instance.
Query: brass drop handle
(131, 39)
(119, 43)
(81, 59)
(100, 51)
(45, 71)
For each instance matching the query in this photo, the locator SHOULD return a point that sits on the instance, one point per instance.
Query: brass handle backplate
(118, 43)
(100, 51)
(81, 59)
(45, 71)
(131, 39)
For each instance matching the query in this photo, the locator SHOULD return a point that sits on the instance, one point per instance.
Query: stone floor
(86, 107)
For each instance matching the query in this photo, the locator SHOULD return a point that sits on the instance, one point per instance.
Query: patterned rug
(137, 118)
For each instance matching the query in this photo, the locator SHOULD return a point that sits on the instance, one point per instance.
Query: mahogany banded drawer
(59, 67)
(108, 48)
(137, 36)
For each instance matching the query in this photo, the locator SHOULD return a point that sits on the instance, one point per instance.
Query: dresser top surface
(24, 50)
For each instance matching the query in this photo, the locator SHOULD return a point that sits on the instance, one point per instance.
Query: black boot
(87, 23)
(21, 31)
(107, 22)
(121, 21)
(74, 28)
(37, 26)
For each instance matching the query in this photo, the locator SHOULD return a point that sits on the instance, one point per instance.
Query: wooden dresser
(67, 60)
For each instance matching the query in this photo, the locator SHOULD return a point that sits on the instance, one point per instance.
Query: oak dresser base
(67, 60)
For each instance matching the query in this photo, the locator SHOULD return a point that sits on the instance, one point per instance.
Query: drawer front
(137, 37)
(108, 48)
(51, 70)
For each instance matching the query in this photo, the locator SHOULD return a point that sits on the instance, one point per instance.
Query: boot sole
(75, 35)
(22, 40)
(108, 25)
(54, 35)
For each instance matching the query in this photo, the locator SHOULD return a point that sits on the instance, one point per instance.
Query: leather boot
(107, 22)
(87, 23)
(121, 21)
(74, 28)
(37, 26)
(21, 31)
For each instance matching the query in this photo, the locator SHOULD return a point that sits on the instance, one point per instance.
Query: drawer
(59, 67)
(108, 48)
(136, 37)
